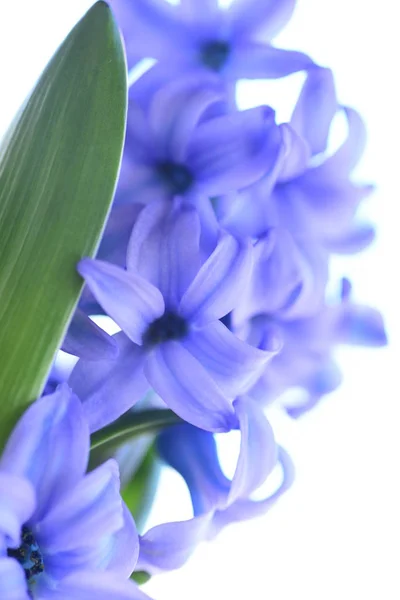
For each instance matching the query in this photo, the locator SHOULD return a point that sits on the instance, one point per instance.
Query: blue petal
(168, 546)
(219, 283)
(128, 299)
(49, 446)
(258, 451)
(151, 28)
(193, 453)
(362, 326)
(164, 249)
(88, 513)
(124, 548)
(119, 227)
(261, 19)
(246, 508)
(250, 60)
(12, 580)
(176, 109)
(233, 151)
(108, 388)
(17, 503)
(359, 237)
(87, 340)
(343, 161)
(232, 363)
(315, 108)
(87, 585)
(187, 388)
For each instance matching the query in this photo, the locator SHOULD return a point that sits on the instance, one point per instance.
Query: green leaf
(131, 425)
(57, 177)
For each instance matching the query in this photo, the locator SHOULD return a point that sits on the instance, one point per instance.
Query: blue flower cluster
(214, 265)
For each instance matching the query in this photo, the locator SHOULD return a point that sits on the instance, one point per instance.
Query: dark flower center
(177, 177)
(28, 555)
(168, 327)
(215, 54)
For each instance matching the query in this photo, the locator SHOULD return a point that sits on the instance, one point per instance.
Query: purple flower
(184, 144)
(310, 192)
(169, 302)
(306, 360)
(201, 36)
(63, 534)
(217, 501)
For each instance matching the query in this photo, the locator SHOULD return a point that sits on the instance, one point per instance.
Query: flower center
(29, 556)
(177, 177)
(168, 327)
(215, 54)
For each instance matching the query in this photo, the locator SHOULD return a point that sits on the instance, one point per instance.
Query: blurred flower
(63, 534)
(306, 360)
(200, 35)
(217, 501)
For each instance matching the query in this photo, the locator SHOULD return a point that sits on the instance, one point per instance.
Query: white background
(336, 534)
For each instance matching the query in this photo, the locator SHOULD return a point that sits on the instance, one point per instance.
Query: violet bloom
(306, 360)
(199, 35)
(217, 500)
(313, 198)
(63, 534)
(182, 144)
(169, 302)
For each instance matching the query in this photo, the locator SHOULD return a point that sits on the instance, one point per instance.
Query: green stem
(133, 424)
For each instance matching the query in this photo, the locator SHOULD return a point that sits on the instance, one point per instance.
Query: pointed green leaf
(57, 176)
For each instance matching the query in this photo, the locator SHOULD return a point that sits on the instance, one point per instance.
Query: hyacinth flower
(63, 534)
(217, 500)
(184, 145)
(201, 36)
(168, 303)
(306, 360)
(315, 199)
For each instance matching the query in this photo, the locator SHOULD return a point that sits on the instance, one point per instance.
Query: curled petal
(258, 451)
(232, 363)
(215, 290)
(168, 546)
(177, 108)
(17, 503)
(193, 453)
(164, 249)
(128, 299)
(233, 151)
(12, 580)
(251, 60)
(247, 508)
(343, 161)
(261, 19)
(108, 388)
(87, 340)
(296, 154)
(52, 437)
(187, 388)
(315, 108)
